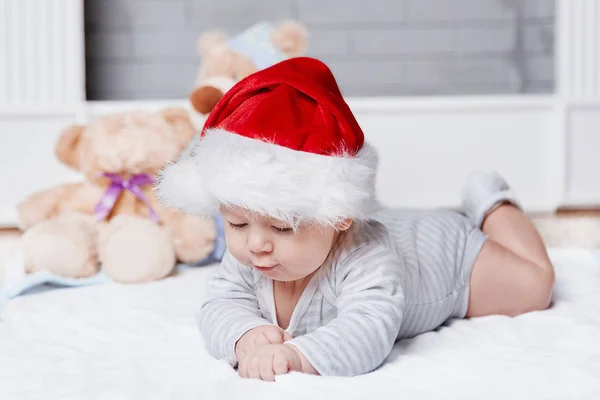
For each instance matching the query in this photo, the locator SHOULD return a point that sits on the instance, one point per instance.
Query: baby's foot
(483, 191)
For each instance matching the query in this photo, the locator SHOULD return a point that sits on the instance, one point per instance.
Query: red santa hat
(282, 143)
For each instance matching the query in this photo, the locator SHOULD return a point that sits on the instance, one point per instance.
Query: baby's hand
(269, 360)
(259, 336)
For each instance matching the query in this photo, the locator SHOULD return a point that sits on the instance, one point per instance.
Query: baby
(317, 277)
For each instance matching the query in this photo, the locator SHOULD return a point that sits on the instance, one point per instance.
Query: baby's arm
(370, 302)
(230, 310)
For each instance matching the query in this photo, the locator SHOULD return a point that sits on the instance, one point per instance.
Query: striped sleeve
(230, 309)
(369, 305)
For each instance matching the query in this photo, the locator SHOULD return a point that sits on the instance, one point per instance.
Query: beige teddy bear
(113, 220)
(225, 61)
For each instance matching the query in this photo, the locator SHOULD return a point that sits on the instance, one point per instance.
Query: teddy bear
(112, 220)
(225, 61)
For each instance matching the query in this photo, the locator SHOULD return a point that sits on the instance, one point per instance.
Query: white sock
(482, 191)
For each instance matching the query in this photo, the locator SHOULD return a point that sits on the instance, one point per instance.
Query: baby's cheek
(235, 249)
(321, 251)
(313, 256)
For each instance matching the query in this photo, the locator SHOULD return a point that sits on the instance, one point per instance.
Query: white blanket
(140, 342)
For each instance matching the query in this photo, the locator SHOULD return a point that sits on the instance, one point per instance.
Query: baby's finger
(286, 336)
(253, 367)
(274, 336)
(266, 368)
(280, 364)
(240, 353)
(243, 368)
(261, 340)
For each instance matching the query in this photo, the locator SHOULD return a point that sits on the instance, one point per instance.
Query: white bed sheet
(140, 342)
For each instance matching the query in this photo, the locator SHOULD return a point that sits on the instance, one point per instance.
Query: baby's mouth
(265, 268)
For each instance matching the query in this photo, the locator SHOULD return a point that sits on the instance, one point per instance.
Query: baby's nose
(258, 244)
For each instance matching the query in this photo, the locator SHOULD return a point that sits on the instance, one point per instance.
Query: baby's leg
(512, 274)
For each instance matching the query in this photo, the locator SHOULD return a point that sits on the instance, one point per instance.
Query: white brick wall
(146, 48)
(457, 10)
(335, 12)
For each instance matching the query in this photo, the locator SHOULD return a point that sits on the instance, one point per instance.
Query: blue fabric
(219, 250)
(596, 254)
(18, 283)
(255, 43)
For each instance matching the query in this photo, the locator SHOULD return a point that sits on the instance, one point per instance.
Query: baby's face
(273, 248)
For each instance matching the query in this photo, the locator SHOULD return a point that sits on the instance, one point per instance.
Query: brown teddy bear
(113, 219)
(225, 61)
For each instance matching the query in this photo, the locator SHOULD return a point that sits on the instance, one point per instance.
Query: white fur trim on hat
(229, 169)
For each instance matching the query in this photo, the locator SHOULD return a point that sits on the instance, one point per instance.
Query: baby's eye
(282, 230)
(237, 226)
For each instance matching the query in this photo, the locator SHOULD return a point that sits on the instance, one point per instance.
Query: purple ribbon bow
(117, 185)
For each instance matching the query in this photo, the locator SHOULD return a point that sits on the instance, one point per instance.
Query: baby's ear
(67, 147)
(344, 225)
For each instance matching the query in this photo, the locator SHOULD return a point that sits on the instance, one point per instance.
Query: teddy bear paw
(134, 249)
(193, 237)
(65, 246)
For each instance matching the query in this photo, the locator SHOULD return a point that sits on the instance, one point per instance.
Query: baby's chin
(281, 275)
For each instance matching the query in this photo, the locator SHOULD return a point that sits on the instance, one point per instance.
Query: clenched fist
(259, 336)
(269, 360)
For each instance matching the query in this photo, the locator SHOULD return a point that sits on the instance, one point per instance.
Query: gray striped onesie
(403, 273)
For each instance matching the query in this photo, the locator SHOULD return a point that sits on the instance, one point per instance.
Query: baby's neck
(286, 295)
(293, 288)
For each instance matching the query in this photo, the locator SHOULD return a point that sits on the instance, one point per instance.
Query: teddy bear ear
(67, 147)
(291, 38)
(179, 119)
(210, 41)
(205, 98)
